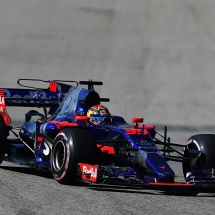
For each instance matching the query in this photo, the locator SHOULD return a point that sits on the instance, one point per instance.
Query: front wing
(94, 175)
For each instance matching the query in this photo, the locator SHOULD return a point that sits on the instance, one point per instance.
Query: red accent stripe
(64, 124)
(3, 110)
(137, 119)
(1, 92)
(53, 86)
(149, 126)
(136, 131)
(84, 118)
(6, 118)
(39, 139)
(106, 149)
(170, 184)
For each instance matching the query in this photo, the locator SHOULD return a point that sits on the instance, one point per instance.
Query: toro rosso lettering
(146, 144)
(145, 147)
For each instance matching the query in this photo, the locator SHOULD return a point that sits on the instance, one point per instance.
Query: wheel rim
(59, 156)
(198, 164)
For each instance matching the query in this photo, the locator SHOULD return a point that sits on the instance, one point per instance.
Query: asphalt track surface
(156, 59)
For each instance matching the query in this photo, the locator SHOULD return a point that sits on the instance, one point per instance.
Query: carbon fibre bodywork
(128, 154)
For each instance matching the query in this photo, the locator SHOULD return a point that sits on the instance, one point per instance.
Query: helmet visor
(104, 112)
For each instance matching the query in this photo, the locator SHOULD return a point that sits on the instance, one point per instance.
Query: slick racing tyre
(199, 153)
(3, 138)
(70, 147)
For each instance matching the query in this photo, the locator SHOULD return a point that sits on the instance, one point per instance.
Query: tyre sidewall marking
(58, 175)
(195, 142)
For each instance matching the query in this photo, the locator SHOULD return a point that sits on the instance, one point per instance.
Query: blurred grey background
(156, 58)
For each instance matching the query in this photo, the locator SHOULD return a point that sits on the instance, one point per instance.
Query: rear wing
(52, 96)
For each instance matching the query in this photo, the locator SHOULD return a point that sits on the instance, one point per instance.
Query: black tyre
(199, 152)
(70, 147)
(3, 138)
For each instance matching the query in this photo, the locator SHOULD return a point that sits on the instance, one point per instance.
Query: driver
(98, 114)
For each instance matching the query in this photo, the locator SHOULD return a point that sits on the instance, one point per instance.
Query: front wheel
(70, 147)
(199, 153)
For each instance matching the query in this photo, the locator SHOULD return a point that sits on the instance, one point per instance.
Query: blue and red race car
(77, 139)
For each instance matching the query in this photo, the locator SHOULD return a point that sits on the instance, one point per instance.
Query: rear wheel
(70, 147)
(199, 153)
(3, 138)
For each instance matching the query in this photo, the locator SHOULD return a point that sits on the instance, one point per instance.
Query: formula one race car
(77, 139)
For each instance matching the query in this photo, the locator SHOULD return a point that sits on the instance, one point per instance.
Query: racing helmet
(97, 113)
